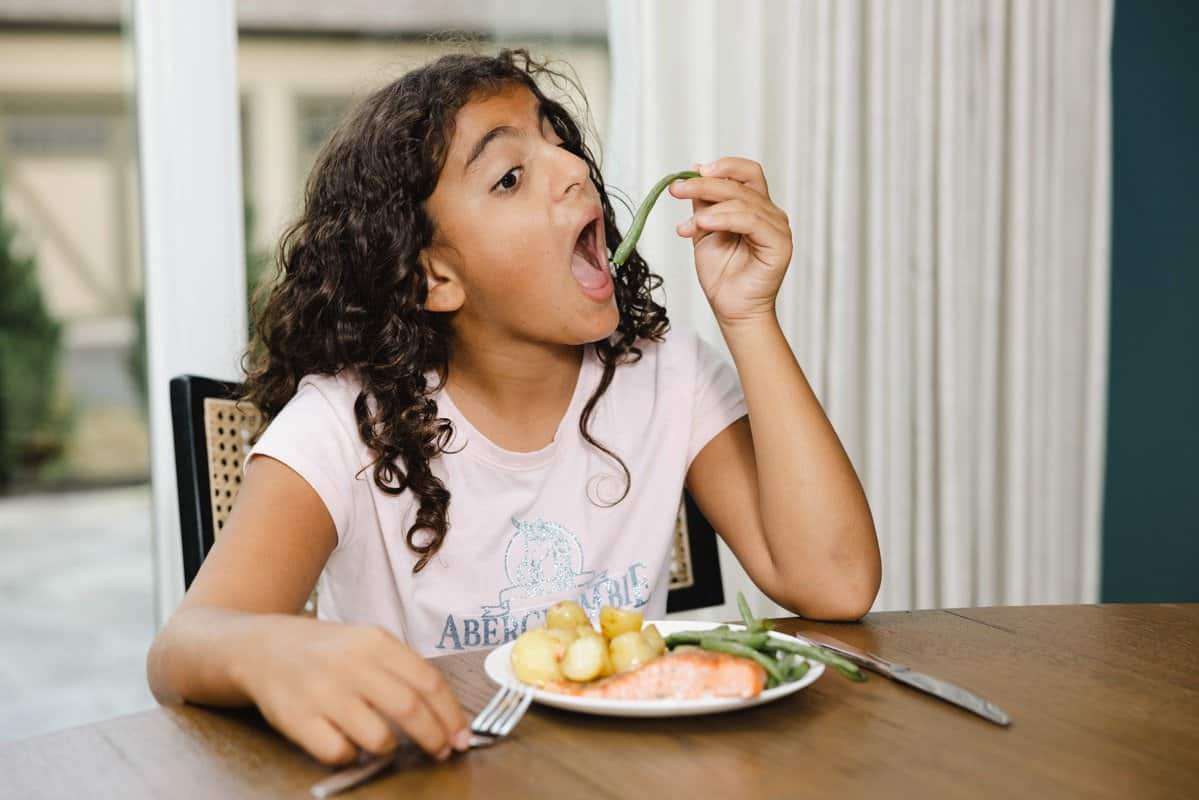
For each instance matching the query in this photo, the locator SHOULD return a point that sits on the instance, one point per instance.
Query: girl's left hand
(742, 239)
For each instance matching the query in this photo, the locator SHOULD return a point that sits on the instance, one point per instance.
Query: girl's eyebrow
(488, 138)
(497, 132)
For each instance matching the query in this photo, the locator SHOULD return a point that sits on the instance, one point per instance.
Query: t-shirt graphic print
(543, 563)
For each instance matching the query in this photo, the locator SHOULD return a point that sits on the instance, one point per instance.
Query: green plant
(32, 422)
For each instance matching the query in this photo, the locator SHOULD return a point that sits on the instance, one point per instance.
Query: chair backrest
(210, 439)
(695, 580)
(212, 432)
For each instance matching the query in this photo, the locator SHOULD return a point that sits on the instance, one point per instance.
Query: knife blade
(943, 690)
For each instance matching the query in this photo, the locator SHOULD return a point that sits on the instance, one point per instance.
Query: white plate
(499, 668)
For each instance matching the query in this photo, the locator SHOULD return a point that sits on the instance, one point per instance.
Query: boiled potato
(651, 634)
(615, 621)
(608, 669)
(566, 616)
(585, 657)
(630, 649)
(537, 656)
(587, 630)
(563, 635)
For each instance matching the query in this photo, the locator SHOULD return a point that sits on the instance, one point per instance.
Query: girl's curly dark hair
(349, 286)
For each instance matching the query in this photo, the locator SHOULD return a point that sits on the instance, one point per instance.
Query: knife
(918, 680)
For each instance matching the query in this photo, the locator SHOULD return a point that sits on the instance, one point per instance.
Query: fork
(494, 722)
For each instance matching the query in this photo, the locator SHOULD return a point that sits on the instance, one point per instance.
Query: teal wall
(1151, 500)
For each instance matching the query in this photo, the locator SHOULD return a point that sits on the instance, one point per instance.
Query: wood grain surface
(1104, 702)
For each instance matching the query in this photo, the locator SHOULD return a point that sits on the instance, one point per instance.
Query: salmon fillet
(678, 675)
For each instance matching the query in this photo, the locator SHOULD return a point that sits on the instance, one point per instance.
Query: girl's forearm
(201, 655)
(816, 520)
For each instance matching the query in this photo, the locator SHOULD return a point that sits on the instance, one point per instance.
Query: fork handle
(350, 777)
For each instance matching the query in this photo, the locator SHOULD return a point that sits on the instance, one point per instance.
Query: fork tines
(500, 716)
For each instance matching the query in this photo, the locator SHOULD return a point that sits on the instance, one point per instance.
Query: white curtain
(945, 166)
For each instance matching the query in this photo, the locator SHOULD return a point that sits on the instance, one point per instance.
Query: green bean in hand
(630, 240)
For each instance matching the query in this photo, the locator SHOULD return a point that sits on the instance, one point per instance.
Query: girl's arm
(262, 566)
(236, 637)
(781, 491)
(786, 499)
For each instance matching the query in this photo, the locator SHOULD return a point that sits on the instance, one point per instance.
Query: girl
(472, 418)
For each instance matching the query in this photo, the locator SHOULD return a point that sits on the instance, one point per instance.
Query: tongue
(587, 275)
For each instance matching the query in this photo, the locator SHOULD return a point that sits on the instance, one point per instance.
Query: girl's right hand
(333, 688)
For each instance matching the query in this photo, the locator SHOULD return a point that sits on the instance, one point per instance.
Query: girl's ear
(445, 291)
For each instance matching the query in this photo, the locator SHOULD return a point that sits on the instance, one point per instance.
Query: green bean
(795, 667)
(847, 668)
(772, 667)
(756, 640)
(751, 623)
(682, 638)
(784, 659)
(747, 616)
(630, 240)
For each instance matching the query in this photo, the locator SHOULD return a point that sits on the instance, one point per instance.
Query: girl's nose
(571, 172)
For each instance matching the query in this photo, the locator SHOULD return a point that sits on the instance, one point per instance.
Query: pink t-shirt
(526, 529)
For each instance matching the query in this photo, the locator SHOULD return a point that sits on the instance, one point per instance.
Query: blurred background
(960, 494)
(77, 592)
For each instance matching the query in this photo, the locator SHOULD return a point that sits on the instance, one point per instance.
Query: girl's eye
(504, 185)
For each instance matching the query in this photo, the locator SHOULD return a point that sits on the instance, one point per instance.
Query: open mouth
(587, 263)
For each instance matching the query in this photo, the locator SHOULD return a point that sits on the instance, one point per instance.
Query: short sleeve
(309, 437)
(718, 400)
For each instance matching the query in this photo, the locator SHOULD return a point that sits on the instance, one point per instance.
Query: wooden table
(1104, 703)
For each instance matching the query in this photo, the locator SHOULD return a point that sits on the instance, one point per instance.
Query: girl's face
(508, 210)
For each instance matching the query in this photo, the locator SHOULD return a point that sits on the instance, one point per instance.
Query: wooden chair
(212, 434)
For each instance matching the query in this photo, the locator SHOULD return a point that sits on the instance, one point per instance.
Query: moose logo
(542, 559)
